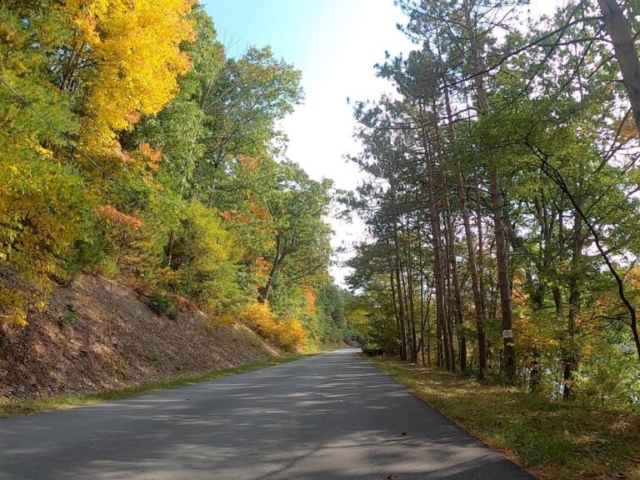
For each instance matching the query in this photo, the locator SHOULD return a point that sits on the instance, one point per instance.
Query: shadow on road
(328, 417)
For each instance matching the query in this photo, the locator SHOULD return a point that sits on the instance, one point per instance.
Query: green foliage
(178, 189)
(162, 305)
(501, 189)
(203, 261)
(553, 439)
(243, 104)
(69, 319)
(179, 129)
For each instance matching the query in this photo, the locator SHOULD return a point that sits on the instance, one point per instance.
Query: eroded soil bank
(96, 334)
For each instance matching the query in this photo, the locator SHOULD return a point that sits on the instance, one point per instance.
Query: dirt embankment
(96, 334)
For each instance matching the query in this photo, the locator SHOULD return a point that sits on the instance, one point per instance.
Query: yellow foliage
(292, 333)
(289, 335)
(132, 49)
(42, 213)
(260, 317)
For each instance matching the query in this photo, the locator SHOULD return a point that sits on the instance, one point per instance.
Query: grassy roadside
(552, 440)
(27, 406)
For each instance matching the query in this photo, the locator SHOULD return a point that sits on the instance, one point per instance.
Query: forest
(500, 193)
(134, 147)
(146, 192)
(501, 197)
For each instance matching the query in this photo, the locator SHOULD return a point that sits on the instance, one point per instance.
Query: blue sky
(335, 43)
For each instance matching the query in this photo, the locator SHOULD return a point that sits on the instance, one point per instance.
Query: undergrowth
(554, 440)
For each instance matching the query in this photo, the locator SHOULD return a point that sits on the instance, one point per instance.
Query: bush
(203, 262)
(163, 305)
(286, 334)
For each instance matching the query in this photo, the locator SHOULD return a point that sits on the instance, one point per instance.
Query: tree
(120, 60)
(515, 159)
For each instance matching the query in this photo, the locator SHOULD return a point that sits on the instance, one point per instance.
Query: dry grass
(553, 440)
(16, 407)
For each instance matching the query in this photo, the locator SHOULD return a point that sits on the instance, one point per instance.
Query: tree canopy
(501, 196)
(134, 146)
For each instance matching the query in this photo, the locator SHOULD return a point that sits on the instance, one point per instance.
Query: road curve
(326, 417)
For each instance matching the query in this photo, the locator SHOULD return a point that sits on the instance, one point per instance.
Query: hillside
(96, 334)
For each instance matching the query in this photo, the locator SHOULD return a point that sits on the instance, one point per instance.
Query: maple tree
(121, 60)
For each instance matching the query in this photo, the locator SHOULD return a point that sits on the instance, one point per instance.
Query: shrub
(162, 305)
(286, 334)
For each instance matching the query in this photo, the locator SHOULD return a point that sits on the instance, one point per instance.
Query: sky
(335, 43)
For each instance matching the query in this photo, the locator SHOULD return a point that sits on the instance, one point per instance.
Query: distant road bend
(327, 417)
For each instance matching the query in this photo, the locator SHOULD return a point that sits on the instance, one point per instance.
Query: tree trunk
(264, 291)
(172, 238)
(401, 310)
(411, 306)
(504, 286)
(396, 309)
(455, 285)
(462, 204)
(438, 266)
(625, 51)
(509, 354)
(571, 350)
(483, 354)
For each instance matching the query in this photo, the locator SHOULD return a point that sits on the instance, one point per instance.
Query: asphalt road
(326, 417)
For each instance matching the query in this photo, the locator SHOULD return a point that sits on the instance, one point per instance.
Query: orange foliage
(259, 212)
(229, 214)
(249, 163)
(263, 266)
(609, 301)
(115, 216)
(138, 285)
(183, 303)
(120, 154)
(310, 299)
(153, 156)
(627, 129)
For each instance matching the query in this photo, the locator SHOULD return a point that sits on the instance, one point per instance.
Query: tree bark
(400, 301)
(625, 51)
(504, 286)
(438, 265)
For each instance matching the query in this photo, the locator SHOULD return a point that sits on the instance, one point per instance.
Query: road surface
(326, 417)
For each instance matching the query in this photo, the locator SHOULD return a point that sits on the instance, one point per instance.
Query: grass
(15, 407)
(553, 440)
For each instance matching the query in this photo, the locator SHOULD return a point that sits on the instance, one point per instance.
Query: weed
(556, 440)
(69, 319)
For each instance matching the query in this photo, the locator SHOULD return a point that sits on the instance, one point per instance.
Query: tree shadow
(327, 417)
